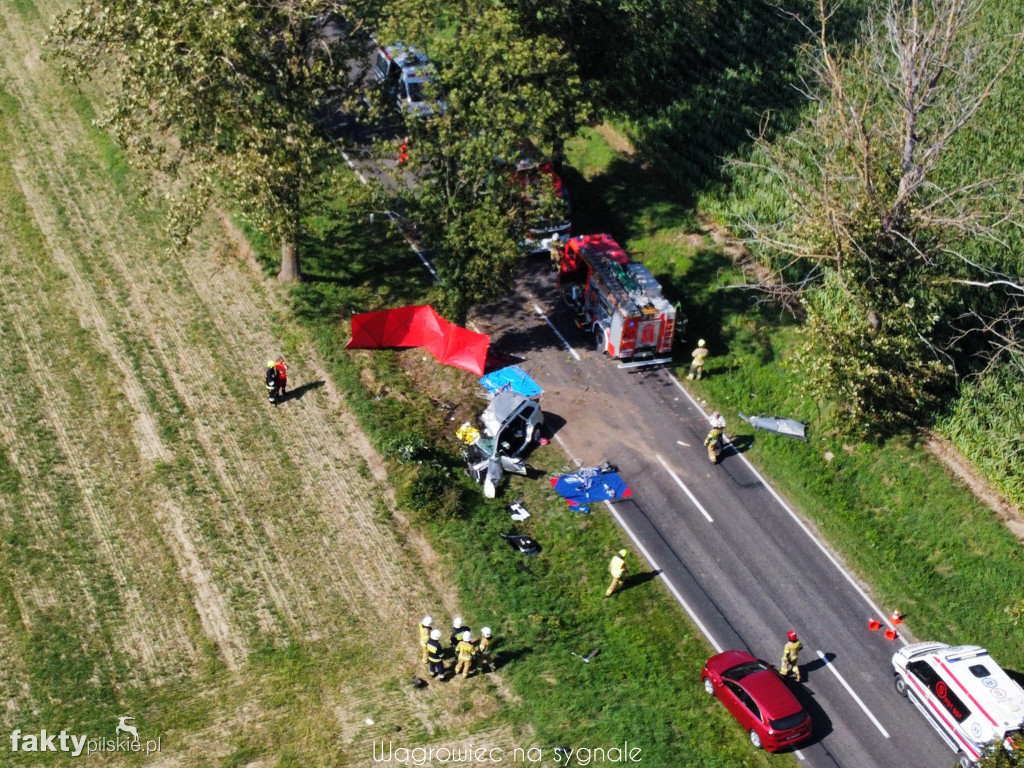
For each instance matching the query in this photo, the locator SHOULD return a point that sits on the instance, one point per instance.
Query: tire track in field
(352, 536)
(149, 634)
(276, 541)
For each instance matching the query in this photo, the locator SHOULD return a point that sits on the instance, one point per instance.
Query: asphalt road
(741, 563)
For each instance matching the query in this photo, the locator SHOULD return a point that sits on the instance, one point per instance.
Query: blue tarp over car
(513, 378)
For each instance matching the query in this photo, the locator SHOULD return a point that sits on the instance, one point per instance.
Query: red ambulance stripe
(953, 678)
(951, 726)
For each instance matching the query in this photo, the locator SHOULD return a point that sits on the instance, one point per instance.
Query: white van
(964, 694)
(407, 73)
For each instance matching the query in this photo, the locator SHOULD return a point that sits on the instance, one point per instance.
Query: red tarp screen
(421, 327)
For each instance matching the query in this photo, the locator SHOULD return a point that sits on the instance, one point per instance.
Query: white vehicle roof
(504, 406)
(975, 678)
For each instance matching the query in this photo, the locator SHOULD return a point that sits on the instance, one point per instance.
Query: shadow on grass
(351, 266)
(639, 579)
(299, 392)
(504, 658)
(725, 85)
(741, 443)
(626, 200)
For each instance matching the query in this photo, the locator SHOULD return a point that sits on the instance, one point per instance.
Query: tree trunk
(289, 262)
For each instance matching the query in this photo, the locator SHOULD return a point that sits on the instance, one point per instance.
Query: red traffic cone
(890, 634)
(897, 617)
(874, 624)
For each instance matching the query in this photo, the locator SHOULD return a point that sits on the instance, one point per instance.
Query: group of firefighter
(466, 652)
(469, 654)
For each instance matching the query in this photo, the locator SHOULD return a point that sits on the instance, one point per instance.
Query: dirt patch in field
(615, 140)
(962, 469)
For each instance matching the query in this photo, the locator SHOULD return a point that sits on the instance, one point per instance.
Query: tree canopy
(501, 88)
(223, 96)
(882, 233)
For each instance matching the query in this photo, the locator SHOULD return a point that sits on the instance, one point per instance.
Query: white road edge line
(391, 215)
(682, 485)
(846, 574)
(568, 346)
(679, 598)
(849, 690)
(647, 555)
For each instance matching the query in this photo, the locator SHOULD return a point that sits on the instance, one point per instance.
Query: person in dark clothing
(435, 656)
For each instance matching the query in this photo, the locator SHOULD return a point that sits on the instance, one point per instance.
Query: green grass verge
(918, 536)
(643, 687)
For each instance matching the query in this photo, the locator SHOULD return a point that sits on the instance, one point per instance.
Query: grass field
(241, 580)
(235, 577)
(172, 548)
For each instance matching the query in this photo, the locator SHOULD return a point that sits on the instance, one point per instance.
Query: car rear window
(382, 65)
(790, 721)
(742, 670)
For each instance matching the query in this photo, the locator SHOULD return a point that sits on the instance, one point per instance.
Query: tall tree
(501, 87)
(884, 227)
(224, 96)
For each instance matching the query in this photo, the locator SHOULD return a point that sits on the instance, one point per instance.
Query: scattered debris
(418, 682)
(517, 510)
(586, 659)
(524, 544)
(778, 425)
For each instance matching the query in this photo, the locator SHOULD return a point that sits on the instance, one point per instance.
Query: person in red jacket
(277, 379)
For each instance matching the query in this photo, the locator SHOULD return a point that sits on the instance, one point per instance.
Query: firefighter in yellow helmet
(699, 355)
(426, 626)
(617, 567)
(483, 651)
(790, 653)
(277, 380)
(464, 652)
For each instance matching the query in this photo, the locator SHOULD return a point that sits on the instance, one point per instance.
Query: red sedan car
(758, 698)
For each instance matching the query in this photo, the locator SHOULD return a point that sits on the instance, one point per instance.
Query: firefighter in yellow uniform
(790, 653)
(483, 651)
(464, 651)
(617, 567)
(425, 628)
(699, 355)
(714, 444)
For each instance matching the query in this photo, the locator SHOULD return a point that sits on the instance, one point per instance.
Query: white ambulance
(964, 694)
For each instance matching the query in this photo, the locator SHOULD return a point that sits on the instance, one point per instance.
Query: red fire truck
(617, 300)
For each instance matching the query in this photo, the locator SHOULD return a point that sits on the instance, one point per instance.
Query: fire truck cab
(617, 300)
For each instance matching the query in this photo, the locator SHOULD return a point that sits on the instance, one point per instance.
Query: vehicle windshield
(382, 65)
(742, 670)
(785, 723)
(415, 91)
